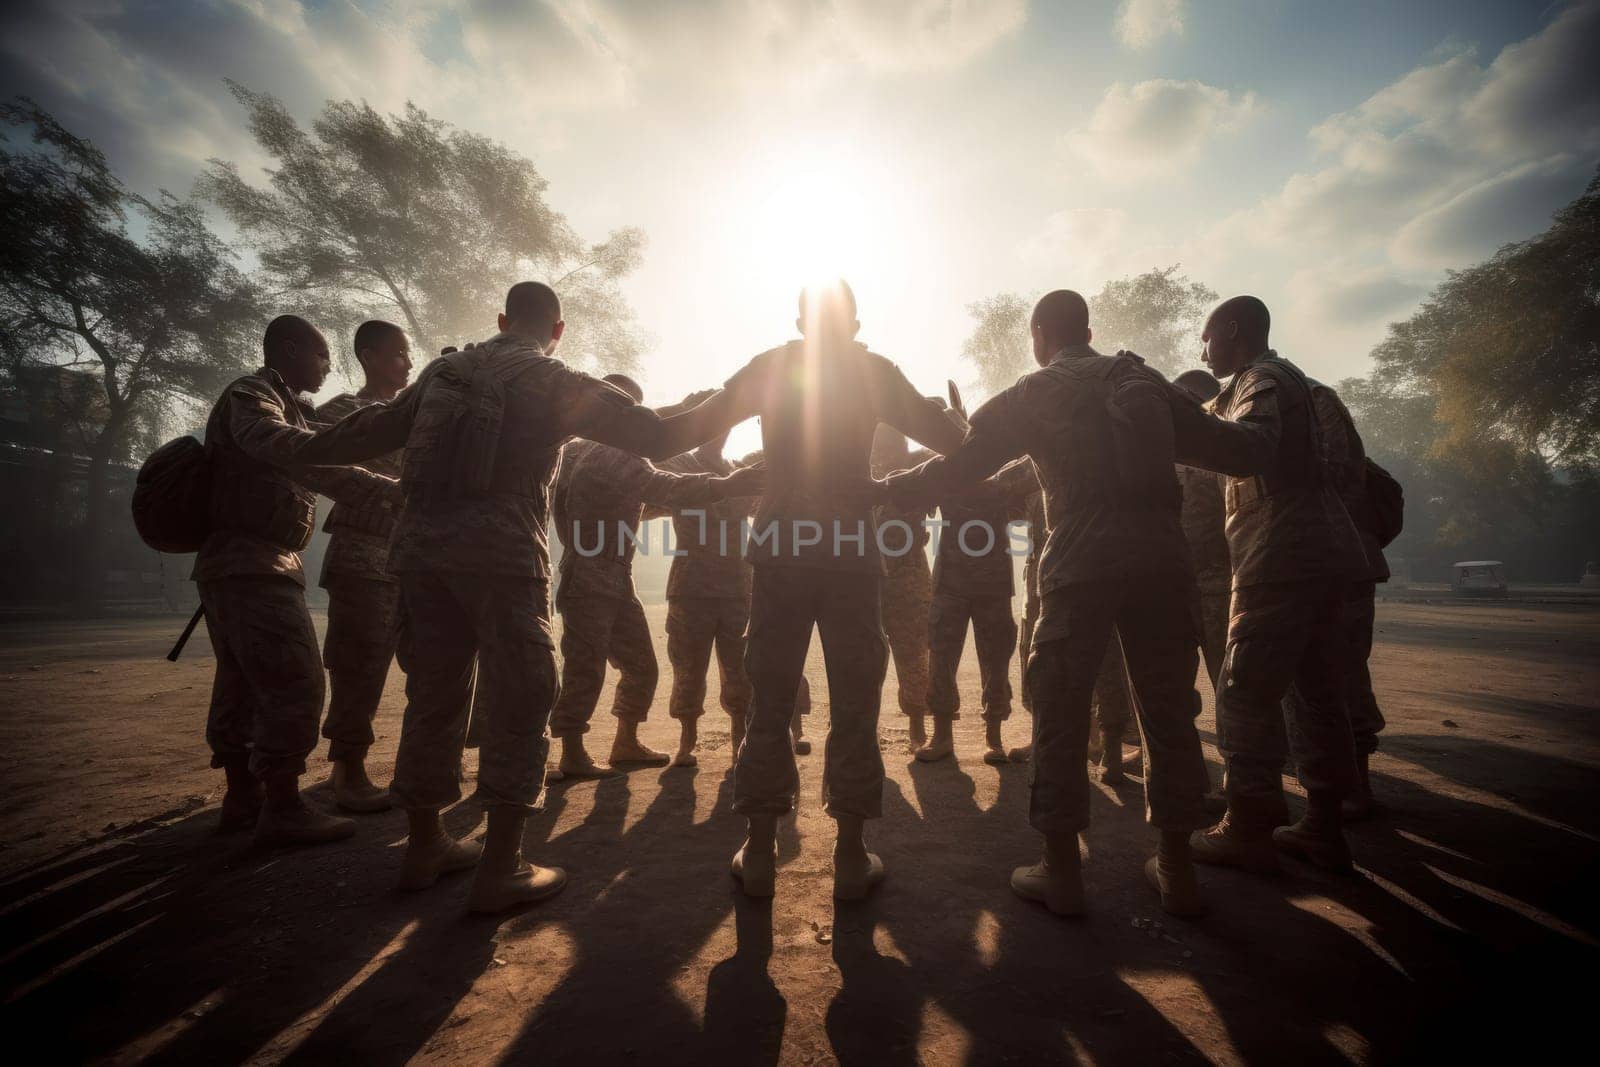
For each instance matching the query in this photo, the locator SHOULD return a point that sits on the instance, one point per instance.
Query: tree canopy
(408, 218)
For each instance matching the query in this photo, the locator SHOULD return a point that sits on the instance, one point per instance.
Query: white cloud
(1137, 129)
(1141, 23)
(912, 34)
(1509, 206)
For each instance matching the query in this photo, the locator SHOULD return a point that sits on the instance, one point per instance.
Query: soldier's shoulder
(255, 388)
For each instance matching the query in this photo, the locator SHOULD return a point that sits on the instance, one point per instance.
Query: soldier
(907, 587)
(1099, 430)
(1346, 458)
(1293, 550)
(973, 580)
(1203, 528)
(816, 556)
(473, 560)
(708, 603)
(601, 497)
(267, 694)
(363, 598)
(1034, 513)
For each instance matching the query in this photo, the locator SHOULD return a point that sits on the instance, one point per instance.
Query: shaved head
(297, 351)
(1199, 384)
(627, 385)
(1235, 333)
(1251, 314)
(828, 310)
(283, 330)
(1060, 319)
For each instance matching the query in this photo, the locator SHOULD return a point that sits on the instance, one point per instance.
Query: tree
(157, 322)
(1485, 403)
(408, 218)
(1511, 347)
(999, 346)
(1157, 314)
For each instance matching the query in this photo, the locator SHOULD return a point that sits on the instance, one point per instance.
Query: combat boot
(1171, 873)
(241, 804)
(755, 865)
(1318, 838)
(504, 879)
(354, 792)
(1233, 844)
(1361, 804)
(1056, 881)
(942, 745)
(286, 819)
(431, 852)
(855, 870)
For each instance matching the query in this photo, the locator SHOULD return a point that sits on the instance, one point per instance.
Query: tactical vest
(252, 497)
(461, 444)
(1298, 465)
(1097, 458)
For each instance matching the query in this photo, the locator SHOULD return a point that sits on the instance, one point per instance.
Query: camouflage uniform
(472, 555)
(819, 404)
(708, 596)
(1037, 531)
(600, 493)
(907, 581)
(1203, 520)
(1114, 562)
(975, 583)
(363, 605)
(1346, 459)
(1293, 550)
(267, 694)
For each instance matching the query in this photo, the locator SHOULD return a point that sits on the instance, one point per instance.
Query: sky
(1332, 158)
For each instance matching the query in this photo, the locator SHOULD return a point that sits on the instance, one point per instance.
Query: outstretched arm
(1242, 446)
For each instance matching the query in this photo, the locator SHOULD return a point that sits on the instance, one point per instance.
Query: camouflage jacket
(819, 406)
(600, 500)
(263, 498)
(709, 539)
(1345, 457)
(1285, 521)
(979, 563)
(502, 529)
(1203, 528)
(1099, 432)
(359, 543)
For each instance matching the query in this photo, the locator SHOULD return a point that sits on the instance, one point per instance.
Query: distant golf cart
(1478, 578)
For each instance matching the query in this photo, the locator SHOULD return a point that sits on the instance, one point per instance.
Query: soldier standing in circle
(1099, 430)
(363, 597)
(472, 555)
(267, 694)
(1294, 550)
(601, 498)
(816, 557)
(907, 586)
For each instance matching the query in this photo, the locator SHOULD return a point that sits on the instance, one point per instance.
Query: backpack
(1386, 501)
(172, 497)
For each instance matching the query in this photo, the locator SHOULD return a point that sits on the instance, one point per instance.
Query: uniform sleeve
(1243, 445)
(988, 446)
(258, 426)
(903, 407)
(367, 433)
(666, 492)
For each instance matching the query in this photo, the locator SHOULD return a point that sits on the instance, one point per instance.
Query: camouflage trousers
(363, 626)
(907, 593)
(267, 694)
(785, 604)
(597, 630)
(1113, 704)
(1366, 718)
(1155, 621)
(994, 637)
(1283, 635)
(499, 624)
(697, 626)
(1214, 608)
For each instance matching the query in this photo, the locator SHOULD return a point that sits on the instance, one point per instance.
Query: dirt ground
(130, 930)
